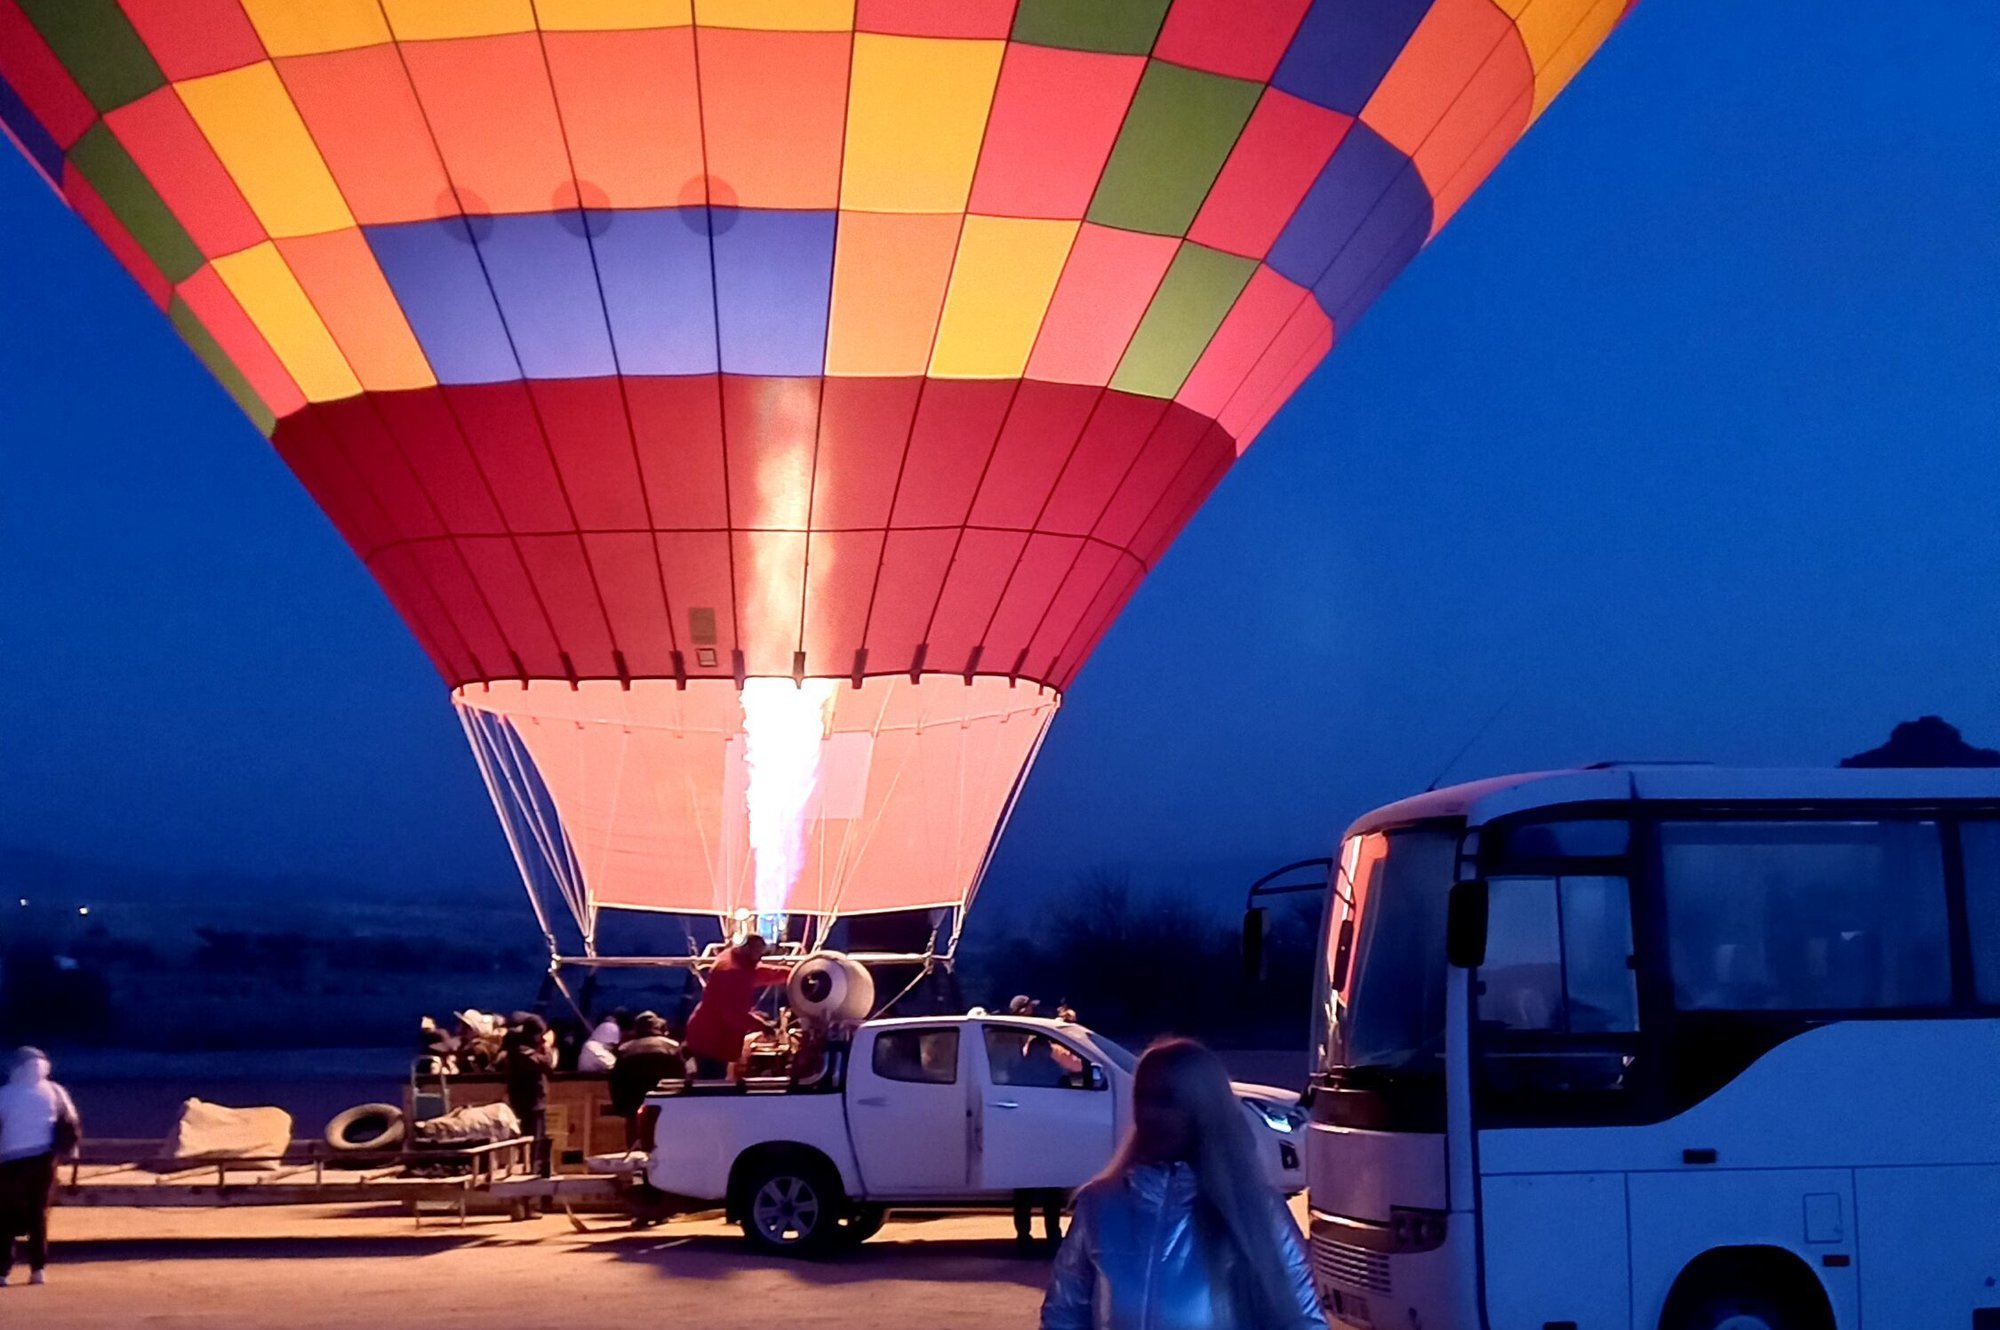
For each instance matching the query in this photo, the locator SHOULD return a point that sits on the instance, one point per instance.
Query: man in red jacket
(724, 1016)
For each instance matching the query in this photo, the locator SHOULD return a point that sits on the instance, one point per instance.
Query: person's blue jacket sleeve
(1073, 1282)
(1298, 1272)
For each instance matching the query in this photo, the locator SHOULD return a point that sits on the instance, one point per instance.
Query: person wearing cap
(38, 1123)
(644, 1060)
(1021, 1067)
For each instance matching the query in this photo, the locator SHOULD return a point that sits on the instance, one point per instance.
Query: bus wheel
(1747, 1292)
(1742, 1312)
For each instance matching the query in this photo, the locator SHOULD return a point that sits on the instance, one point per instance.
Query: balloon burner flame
(783, 726)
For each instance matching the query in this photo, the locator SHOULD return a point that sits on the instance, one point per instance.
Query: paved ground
(304, 1268)
(327, 1269)
(313, 1269)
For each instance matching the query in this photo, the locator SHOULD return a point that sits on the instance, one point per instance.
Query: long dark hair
(1237, 1203)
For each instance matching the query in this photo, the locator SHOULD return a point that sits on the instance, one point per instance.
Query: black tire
(365, 1127)
(862, 1223)
(792, 1205)
(1738, 1307)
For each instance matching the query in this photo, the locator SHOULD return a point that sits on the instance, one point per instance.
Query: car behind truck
(955, 1113)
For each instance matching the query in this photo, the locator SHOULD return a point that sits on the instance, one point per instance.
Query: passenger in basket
(644, 1060)
(1181, 1230)
(726, 1014)
(38, 1126)
(600, 1050)
(527, 1064)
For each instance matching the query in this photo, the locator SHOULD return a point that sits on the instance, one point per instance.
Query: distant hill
(93, 951)
(70, 875)
(1928, 741)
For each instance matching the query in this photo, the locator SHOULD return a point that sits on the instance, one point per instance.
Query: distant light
(24, 901)
(81, 909)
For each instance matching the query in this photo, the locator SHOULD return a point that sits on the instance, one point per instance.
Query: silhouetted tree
(47, 996)
(1138, 963)
(1928, 741)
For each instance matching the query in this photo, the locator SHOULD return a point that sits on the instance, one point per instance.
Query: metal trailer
(490, 1176)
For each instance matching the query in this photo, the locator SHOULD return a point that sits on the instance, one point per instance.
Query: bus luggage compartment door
(1555, 1248)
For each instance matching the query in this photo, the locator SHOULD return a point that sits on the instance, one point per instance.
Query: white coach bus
(1663, 1048)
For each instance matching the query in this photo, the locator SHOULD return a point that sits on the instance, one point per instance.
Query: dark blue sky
(1679, 441)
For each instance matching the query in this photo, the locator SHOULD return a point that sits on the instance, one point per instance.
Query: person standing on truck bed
(38, 1123)
(1181, 1231)
(726, 1014)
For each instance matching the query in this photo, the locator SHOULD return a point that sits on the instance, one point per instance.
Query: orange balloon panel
(645, 788)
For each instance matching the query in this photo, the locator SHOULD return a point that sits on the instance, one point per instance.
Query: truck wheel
(862, 1223)
(793, 1207)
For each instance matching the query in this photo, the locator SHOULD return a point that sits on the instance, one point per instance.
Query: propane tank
(830, 988)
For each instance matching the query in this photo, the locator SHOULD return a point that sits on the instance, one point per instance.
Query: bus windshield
(1382, 970)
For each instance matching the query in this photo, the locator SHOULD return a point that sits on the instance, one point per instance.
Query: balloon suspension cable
(484, 760)
(999, 830)
(907, 989)
(699, 964)
(518, 799)
(528, 792)
(930, 960)
(555, 977)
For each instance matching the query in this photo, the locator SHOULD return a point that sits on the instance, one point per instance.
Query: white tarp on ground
(213, 1131)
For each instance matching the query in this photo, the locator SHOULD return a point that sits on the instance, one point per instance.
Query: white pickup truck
(935, 1113)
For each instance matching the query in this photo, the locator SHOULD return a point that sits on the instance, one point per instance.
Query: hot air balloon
(759, 408)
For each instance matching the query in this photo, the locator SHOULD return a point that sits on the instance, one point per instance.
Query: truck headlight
(1284, 1118)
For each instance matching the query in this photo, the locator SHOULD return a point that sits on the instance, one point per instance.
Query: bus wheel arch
(1745, 1288)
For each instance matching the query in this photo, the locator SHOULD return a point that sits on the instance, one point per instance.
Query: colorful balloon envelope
(759, 408)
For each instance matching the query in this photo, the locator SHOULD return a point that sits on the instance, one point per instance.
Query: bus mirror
(1465, 924)
(1254, 921)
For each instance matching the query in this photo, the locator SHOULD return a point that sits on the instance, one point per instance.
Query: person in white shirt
(600, 1051)
(38, 1123)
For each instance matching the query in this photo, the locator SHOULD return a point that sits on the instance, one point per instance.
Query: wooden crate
(581, 1122)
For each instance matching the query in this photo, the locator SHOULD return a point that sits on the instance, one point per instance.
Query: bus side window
(1981, 841)
(1558, 956)
(1597, 955)
(1520, 985)
(1805, 915)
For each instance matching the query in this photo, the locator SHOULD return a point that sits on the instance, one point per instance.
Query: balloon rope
(480, 756)
(1006, 816)
(559, 866)
(921, 976)
(841, 865)
(887, 796)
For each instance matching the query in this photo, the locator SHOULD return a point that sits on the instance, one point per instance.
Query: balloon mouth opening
(759, 807)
